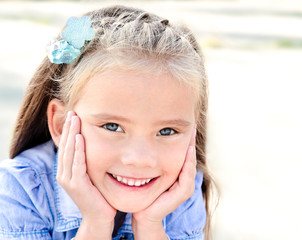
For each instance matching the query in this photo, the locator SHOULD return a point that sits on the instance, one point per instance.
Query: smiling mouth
(132, 182)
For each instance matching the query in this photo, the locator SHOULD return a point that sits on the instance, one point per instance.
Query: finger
(70, 147)
(63, 140)
(190, 158)
(193, 137)
(190, 161)
(79, 163)
(188, 172)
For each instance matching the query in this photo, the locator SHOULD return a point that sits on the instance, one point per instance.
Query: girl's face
(137, 128)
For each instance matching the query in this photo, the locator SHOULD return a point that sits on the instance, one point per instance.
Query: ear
(56, 119)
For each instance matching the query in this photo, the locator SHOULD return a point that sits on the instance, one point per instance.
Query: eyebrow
(106, 116)
(178, 122)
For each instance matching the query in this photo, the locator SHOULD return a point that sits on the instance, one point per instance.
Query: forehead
(131, 92)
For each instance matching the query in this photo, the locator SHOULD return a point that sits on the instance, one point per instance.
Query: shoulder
(188, 220)
(30, 169)
(26, 194)
(40, 157)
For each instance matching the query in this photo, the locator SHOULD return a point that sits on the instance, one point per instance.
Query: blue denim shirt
(34, 206)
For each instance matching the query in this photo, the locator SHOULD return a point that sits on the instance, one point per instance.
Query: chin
(130, 208)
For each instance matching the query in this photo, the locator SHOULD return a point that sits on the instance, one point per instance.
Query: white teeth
(131, 182)
(138, 183)
(124, 180)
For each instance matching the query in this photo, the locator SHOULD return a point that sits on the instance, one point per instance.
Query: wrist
(95, 231)
(148, 230)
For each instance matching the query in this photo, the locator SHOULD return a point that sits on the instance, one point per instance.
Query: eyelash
(117, 128)
(171, 129)
(108, 125)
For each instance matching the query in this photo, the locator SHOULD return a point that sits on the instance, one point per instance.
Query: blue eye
(166, 132)
(112, 127)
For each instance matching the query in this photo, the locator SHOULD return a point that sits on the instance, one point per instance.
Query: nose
(139, 153)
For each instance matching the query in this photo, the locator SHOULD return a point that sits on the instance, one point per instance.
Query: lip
(132, 178)
(133, 188)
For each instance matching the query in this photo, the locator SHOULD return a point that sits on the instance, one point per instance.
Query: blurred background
(253, 52)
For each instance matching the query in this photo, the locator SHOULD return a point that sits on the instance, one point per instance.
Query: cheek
(173, 159)
(99, 152)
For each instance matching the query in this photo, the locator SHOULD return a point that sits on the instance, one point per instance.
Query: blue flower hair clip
(76, 32)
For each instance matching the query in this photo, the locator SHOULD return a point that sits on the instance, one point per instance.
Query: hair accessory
(165, 22)
(76, 32)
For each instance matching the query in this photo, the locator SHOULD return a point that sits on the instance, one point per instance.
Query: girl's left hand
(147, 224)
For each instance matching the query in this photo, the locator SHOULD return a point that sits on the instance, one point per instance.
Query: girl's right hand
(98, 215)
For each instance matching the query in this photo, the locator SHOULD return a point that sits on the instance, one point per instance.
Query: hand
(150, 219)
(98, 215)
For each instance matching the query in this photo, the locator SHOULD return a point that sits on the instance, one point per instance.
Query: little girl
(110, 139)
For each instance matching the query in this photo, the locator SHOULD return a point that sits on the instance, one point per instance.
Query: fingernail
(73, 118)
(68, 115)
(191, 149)
(77, 139)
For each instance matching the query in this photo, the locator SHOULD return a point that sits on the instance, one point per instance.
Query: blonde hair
(125, 37)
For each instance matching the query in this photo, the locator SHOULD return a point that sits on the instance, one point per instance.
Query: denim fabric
(34, 206)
